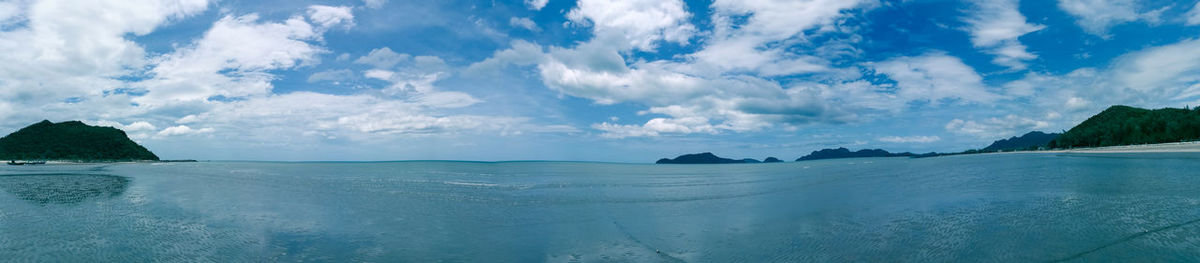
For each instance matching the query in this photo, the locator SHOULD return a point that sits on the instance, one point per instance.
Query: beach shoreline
(1171, 147)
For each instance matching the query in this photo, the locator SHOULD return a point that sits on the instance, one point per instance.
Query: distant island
(704, 158)
(772, 160)
(73, 141)
(1124, 125)
(1033, 140)
(846, 153)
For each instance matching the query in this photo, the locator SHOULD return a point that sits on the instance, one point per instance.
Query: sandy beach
(1174, 147)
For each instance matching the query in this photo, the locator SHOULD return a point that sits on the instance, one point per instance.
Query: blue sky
(602, 80)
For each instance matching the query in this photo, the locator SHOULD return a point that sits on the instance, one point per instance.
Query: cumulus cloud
(910, 139)
(1097, 16)
(183, 130)
(360, 117)
(383, 58)
(413, 78)
(524, 22)
(49, 58)
(639, 24)
(75, 64)
(1168, 69)
(135, 130)
(996, 26)
(230, 60)
(744, 32)
(996, 127)
(724, 87)
(657, 126)
(536, 4)
(935, 76)
(326, 17)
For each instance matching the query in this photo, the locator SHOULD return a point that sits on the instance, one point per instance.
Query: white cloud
(218, 85)
(520, 52)
(63, 49)
(1097, 16)
(755, 44)
(413, 79)
(719, 89)
(9, 12)
(1193, 16)
(657, 126)
(301, 114)
(778, 19)
(326, 17)
(996, 26)
(934, 77)
(374, 4)
(135, 127)
(183, 130)
(335, 76)
(910, 139)
(230, 60)
(996, 127)
(383, 58)
(524, 22)
(639, 24)
(1164, 70)
(536, 4)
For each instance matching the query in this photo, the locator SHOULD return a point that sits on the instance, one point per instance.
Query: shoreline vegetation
(1118, 129)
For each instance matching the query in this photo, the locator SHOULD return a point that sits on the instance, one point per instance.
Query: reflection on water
(43, 189)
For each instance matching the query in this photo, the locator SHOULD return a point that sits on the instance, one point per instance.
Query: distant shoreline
(1170, 147)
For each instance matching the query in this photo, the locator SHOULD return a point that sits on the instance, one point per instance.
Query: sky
(593, 80)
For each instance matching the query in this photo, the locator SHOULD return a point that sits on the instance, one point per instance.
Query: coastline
(1170, 147)
(84, 162)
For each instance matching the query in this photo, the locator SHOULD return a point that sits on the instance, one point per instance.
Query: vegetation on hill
(1030, 141)
(1124, 125)
(71, 140)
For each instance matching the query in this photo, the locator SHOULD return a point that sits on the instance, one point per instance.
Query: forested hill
(1030, 141)
(71, 140)
(1124, 125)
(840, 153)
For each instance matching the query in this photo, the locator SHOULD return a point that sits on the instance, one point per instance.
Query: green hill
(1030, 141)
(71, 140)
(1124, 125)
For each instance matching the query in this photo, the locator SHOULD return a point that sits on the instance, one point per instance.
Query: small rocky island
(71, 141)
(710, 158)
(846, 153)
(702, 158)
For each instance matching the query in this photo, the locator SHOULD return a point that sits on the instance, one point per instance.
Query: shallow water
(1007, 207)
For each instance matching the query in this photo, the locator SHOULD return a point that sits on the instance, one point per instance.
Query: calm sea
(1009, 207)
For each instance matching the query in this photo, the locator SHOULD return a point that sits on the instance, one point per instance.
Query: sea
(974, 208)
